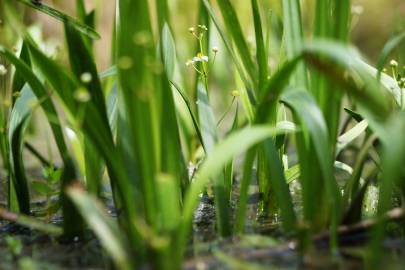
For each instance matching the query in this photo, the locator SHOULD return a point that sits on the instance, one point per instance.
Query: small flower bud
(393, 64)
(82, 95)
(191, 30)
(86, 77)
(215, 49)
(235, 93)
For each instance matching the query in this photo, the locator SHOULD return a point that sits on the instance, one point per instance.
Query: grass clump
(139, 125)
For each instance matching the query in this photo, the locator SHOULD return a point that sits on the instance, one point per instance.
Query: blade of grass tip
(104, 227)
(292, 173)
(18, 79)
(261, 56)
(84, 29)
(350, 135)
(86, 18)
(393, 43)
(225, 151)
(233, 27)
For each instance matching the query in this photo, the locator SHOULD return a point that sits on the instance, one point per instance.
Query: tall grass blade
(83, 28)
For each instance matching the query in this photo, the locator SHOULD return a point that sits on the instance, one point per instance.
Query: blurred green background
(374, 21)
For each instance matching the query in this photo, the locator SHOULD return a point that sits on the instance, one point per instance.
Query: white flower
(215, 49)
(393, 63)
(200, 58)
(3, 70)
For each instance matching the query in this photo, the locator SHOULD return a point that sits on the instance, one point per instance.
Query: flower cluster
(199, 62)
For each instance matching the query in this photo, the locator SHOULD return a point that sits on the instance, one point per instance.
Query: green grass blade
(190, 110)
(83, 28)
(315, 130)
(222, 154)
(244, 189)
(245, 75)
(18, 79)
(268, 102)
(350, 135)
(261, 55)
(233, 27)
(19, 120)
(82, 63)
(30, 222)
(293, 37)
(392, 168)
(104, 227)
(393, 43)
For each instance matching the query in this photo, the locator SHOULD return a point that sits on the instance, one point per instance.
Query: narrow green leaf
(261, 54)
(103, 226)
(224, 152)
(233, 27)
(386, 51)
(38, 5)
